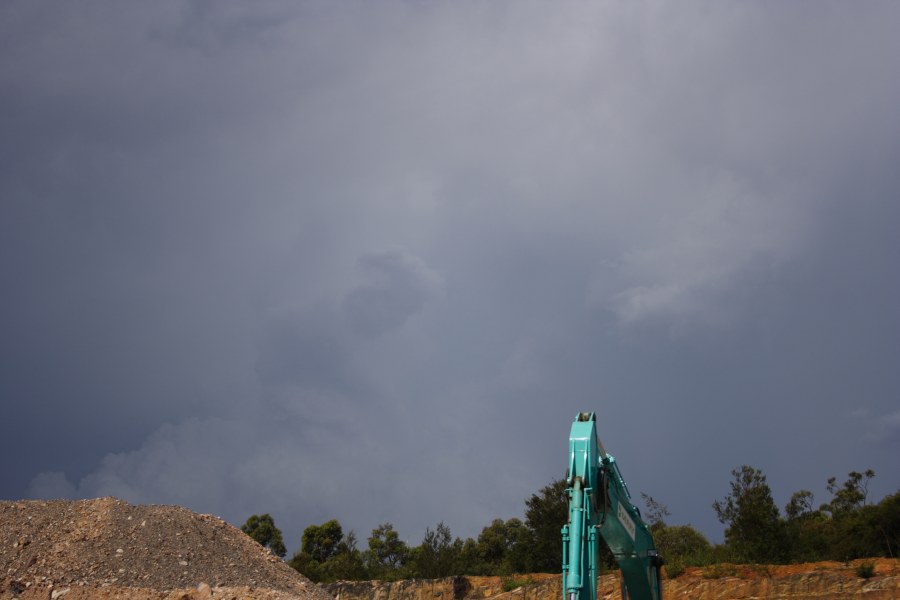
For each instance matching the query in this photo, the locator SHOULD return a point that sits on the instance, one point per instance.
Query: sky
(368, 260)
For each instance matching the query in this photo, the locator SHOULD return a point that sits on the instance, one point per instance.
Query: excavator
(600, 507)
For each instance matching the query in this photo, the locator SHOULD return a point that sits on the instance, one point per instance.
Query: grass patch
(719, 570)
(509, 584)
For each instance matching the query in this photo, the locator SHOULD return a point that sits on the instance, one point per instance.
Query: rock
(204, 592)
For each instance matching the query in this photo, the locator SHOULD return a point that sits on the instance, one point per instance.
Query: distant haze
(367, 261)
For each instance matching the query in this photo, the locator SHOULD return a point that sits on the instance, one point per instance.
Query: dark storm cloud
(681, 218)
(305, 350)
(397, 287)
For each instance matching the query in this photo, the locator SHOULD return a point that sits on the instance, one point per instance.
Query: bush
(509, 583)
(461, 587)
(719, 570)
(674, 568)
(865, 569)
(680, 541)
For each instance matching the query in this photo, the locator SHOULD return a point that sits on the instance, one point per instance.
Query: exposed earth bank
(812, 581)
(108, 548)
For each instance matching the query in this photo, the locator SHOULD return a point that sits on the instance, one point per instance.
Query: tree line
(846, 527)
(328, 553)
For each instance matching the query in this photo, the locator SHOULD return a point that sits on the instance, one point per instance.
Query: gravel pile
(108, 548)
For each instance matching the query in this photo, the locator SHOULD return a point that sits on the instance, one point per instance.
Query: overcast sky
(367, 260)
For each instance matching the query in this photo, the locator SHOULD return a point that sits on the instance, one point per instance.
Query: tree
(346, 563)
(680, 542)
(518, 556)
(303, 563)
(800, 506)
(806, 528)
(387, 552)
(438, 554)
(501, 549)
(656, 512)
(497, 539)
(886, 523)
(321, 542)
(326, 554)
(851, 496)
(755, 531)
(262, 529)
(545, 514)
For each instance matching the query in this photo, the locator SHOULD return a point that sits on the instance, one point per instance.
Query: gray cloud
(397, 287)
(683, 219)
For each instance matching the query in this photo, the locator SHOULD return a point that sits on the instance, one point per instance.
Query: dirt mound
(108, 548)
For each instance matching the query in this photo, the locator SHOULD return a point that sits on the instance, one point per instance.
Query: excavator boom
(600, 507)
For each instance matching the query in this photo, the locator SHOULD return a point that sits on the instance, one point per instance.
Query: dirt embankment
(815, 581)
(108, 548)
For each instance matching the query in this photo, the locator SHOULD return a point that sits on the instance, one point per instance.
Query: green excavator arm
(600, 508)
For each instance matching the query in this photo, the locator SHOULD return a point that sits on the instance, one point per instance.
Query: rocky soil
(108, 548)
(812, 581)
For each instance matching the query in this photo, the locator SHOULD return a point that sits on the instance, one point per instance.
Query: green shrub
(865, 569)
(674, 568)
(719, 570)
(510, 583)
